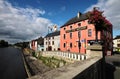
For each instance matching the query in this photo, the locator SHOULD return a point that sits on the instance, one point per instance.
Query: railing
(68, 55)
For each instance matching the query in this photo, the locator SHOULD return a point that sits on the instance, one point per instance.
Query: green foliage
(33, 54)
(22, 44)
(52, 61)
(96, 17)
(3, 43)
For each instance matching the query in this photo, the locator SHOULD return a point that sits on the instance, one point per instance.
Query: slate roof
(117, 37)
(53, 34)
(76, 19)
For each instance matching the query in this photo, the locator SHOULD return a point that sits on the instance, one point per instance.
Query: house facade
(33, 45)
(37, 44)
(116, 43)
(52, 41)
(77, 33)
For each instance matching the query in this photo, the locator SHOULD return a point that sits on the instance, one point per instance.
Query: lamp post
(79, 44)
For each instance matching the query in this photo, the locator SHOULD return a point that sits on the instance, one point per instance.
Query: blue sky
(24, 20)
(58, 11)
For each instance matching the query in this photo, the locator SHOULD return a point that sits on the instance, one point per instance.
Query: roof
(76, 19)
(53, 34)
(117, 37)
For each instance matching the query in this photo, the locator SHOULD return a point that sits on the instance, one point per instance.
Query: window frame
(71, 27)
(64, 36)
(70, 45)
(64, 45)
(89, 32)
(52, 42)
(79, 24)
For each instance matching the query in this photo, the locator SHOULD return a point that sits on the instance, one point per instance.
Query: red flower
(96, 17)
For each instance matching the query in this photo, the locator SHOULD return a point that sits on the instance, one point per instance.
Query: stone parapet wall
(86, 69)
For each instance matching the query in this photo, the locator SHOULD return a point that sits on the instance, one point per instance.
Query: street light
(79, 43)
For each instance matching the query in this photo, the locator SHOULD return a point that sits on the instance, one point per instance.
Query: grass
(52, 61)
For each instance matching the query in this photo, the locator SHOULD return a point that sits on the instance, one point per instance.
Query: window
(89, 32)
(71, 35)
(49, 38)
(70, 27)
(64, 45)
(46, 38)
(52, 42)
(46, 43)
(64, 36)
(64, 28)
(70, 45)
(79, 34)
(118, 45)
(79, 44)
(49, 42)
(53, 37)
(79, 24)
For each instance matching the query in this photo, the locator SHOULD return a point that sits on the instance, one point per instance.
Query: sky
(24, 20)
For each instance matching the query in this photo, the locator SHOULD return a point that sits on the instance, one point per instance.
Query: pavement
(113, 66)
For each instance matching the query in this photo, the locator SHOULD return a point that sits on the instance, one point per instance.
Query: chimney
(79, 14)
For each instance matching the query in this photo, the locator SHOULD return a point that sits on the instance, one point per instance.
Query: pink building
(77, 33)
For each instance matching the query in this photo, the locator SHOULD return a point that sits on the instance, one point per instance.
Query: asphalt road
(113, 67)
(11, 64)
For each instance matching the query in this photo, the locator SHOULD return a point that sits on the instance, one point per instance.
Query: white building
(116, 43)
(52, 41)
(33, 45)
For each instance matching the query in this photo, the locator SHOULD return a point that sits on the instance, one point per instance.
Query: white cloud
(21, 24)
(111, 11)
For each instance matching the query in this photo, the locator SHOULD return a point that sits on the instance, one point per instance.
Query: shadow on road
(109, 71)
(116, 63)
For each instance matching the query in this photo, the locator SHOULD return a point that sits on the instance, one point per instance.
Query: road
(11, 64)
(113, 67)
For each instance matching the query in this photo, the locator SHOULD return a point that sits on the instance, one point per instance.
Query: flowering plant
(101, 23)
(96, 17)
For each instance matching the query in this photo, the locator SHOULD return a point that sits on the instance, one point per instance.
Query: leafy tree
(3, 43)
(101, 23)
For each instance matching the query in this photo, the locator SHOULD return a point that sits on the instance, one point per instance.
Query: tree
(101, 23)
(3, 43)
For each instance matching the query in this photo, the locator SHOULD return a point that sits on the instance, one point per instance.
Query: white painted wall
(116, 41)
(56, 42)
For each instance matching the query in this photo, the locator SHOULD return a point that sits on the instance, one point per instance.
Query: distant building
(77, 33)
(116, 43)
(37, 44)
(52, 41)
(33, 45)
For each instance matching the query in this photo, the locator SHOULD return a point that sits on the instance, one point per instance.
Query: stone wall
(86, 69)
(95, 71)
(92, 66)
